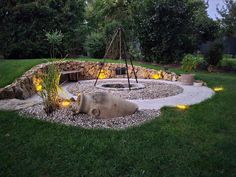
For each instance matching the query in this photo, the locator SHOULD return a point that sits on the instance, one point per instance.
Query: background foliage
(228, 14)
(25, 22)
(161, 31)
(167, 29)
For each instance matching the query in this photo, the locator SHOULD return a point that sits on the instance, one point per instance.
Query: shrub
(215, 53)
(47, 84)
(135, 52)
(227, 64)
(95, 45)
(191, 62)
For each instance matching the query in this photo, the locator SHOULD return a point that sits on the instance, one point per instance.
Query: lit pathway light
(182, 107)
(65, 103)
(218, 89)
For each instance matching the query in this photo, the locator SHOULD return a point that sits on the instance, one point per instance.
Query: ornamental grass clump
(47, 85)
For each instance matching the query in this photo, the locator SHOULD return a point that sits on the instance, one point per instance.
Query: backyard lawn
(200, 141)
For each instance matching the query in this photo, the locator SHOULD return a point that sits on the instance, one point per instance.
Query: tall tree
(167, 29)
(228, 14)
(105, 17)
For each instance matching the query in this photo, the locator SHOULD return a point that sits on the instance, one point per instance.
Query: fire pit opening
(120, 86)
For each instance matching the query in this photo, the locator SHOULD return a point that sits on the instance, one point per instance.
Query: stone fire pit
(118, 86)
(147, 89)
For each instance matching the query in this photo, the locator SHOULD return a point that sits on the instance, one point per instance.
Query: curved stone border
(65, 116)
(23, 88)
(191, 95)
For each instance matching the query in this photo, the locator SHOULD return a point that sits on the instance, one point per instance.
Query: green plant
(215, 53)
(135, 52)
(95, 45)
(227, 64)
(55, 39)
(191, 62)
(47, 84)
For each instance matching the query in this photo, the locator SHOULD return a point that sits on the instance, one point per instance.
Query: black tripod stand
(118, 49)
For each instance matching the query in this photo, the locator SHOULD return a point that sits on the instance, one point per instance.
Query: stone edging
(23, 88)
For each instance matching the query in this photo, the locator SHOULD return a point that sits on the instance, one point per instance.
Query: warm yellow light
(65, 103)
(37, 81)
(156, 76)
(102, 75)
(38, 84)
(182, 107)
(39, 88)
(218, 89)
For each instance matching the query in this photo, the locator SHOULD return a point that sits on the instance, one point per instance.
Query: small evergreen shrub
(55, 39)
(95, 45)
(135, 52)
(215, 53)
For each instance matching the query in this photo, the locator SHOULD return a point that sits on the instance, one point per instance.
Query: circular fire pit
(145, 89)
(120, 86)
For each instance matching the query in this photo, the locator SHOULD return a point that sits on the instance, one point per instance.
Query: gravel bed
(152, 90)
(65, 116)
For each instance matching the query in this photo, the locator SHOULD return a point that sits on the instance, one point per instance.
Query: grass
(12, 69)
(229, 62)
(198, 142)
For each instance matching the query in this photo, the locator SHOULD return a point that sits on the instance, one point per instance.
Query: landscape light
(182, 107)
(156, 76)
(65, 103)
(38, 84)
(218, 89)
(39, 88)
(102, 75)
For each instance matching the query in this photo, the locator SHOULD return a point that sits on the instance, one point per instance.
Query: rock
(7, 92)
(18, 93)
(25, 93)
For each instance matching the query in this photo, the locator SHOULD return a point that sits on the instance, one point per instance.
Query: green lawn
(229, 62)
(200, 142)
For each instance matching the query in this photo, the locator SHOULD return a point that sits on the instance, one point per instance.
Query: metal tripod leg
(100, 70)
(135, 75)
(127, 70)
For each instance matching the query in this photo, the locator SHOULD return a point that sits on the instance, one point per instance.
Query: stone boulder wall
(23, 87)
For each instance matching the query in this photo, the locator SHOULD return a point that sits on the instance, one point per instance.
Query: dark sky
(212, 7)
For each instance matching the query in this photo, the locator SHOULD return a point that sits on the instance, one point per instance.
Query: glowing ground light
(156, 76)
(39, 88)
(38, 84)
(102, 75)
(218, 89)
(65, 103)
(182, 107)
